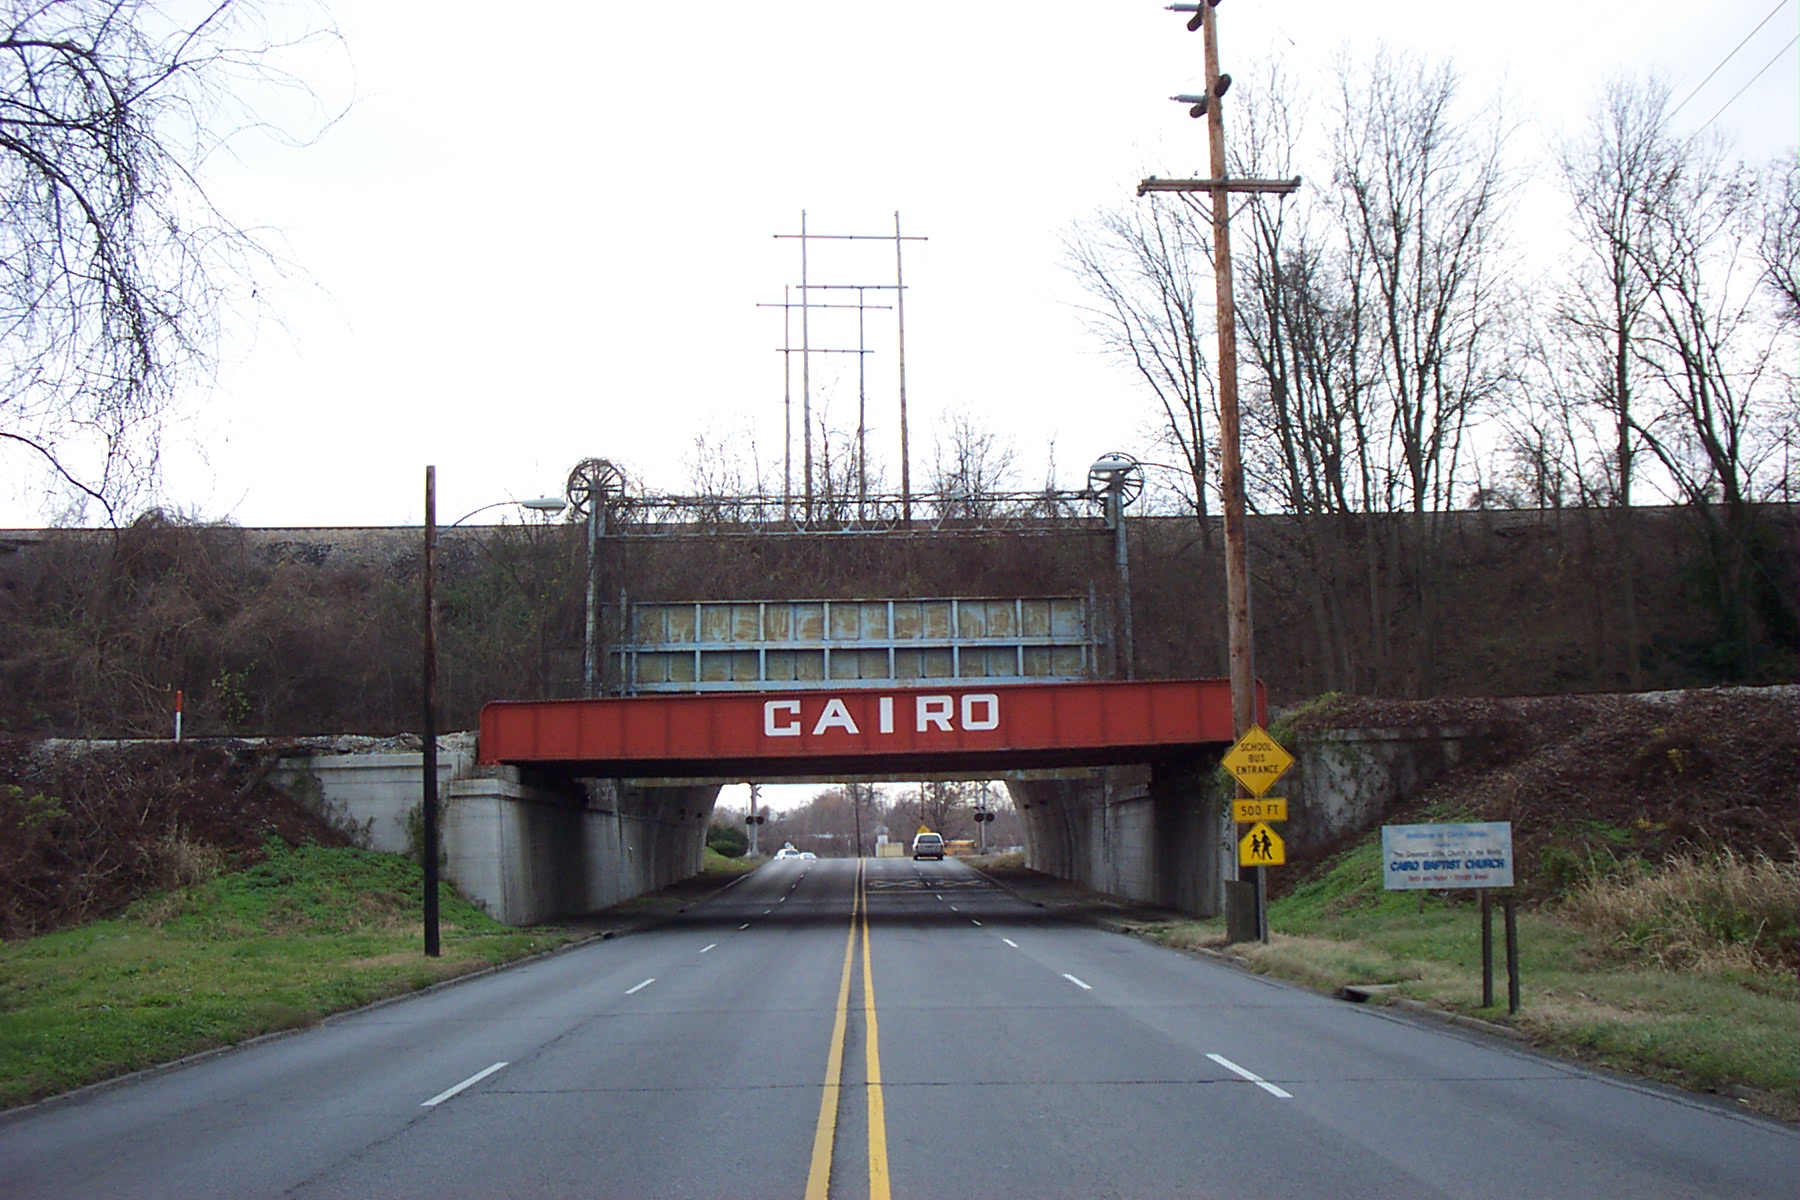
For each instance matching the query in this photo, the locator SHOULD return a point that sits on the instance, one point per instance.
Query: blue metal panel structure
(779, 645)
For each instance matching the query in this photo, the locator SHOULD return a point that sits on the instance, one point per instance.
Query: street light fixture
(428, 764)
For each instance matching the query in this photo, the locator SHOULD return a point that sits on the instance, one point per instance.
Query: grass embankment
(304, 933)
(716, 866)
(1681, 973)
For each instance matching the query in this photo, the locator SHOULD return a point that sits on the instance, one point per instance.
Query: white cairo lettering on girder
(935, 710)
(835, 716)
(978, 711)
(770, 718)
(987, 701)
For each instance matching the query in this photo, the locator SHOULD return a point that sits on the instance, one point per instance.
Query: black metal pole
(429, 851)
(1512, 957)
(590, 637)
(1487, 949)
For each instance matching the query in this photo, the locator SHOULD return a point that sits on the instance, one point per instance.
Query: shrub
(727, 840)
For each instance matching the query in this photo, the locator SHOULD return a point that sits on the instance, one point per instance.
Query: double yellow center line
(818, 1180)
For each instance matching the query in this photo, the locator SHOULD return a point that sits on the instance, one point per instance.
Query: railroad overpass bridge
(564, 806)
(1111, 778)
(560, 807)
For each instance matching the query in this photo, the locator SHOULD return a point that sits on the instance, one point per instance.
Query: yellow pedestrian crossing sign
(1257, 760)
(1261, 847)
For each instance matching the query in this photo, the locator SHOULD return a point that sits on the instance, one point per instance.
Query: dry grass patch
(1716, 913)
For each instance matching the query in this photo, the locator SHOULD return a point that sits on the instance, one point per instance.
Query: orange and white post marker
(178, 714)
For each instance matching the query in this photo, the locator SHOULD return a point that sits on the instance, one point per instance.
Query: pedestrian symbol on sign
(1261, 847)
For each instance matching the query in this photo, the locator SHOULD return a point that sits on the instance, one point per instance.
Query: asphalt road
(740, 1051)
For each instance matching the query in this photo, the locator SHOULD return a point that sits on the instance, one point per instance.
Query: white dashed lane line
(471, 1081)
(1084, 987)
(1011, 943)
(745, 925)
(640, 987)
(973, 921)
(704, 949)
(1258, 1080)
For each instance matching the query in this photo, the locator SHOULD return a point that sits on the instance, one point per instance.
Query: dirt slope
(85, 830)
(1651, 775)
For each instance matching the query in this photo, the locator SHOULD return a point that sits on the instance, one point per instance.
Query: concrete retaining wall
(1345, 781)
(525, 849)
(1145, 833)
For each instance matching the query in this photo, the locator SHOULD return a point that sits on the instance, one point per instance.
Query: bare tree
(1307, 408)
(115, 267)
(944, 807)
(1726, 413)
(1778, 235)
(1420, 191)
(1618, 174)
(1148, 268)
(970, 464)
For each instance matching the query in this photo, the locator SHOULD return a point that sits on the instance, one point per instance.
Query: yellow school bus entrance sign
(1257, 760)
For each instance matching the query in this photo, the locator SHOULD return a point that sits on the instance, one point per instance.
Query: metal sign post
(1256, 762)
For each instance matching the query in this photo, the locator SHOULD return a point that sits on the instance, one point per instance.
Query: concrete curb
(1014, 892)
(1419, 1008)
(1371, 995)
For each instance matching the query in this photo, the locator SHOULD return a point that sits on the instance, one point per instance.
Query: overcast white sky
(541, 237)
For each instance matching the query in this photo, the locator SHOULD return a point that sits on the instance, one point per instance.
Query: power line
(1753, 79)
(1780, 4)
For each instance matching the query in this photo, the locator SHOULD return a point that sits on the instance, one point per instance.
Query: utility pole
(1231, 468)
(428, 851)
(787, 417)
(805, 375)
(755, 852)
(900, 312)
(856, 803)
(806, 351)
(788, 349)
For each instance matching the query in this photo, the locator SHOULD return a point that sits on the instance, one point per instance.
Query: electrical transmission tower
(806, 350)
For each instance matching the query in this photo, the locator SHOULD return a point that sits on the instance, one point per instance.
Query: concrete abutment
(1149, 833)
(530, 846)
(527, 847)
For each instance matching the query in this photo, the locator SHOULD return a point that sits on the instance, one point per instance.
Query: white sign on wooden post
(1477, 855)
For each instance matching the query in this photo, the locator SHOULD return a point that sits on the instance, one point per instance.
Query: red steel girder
(864, 730)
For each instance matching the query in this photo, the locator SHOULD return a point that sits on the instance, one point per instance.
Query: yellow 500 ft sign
(1265, 808)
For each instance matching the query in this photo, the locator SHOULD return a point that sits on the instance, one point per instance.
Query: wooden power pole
(1231, 470)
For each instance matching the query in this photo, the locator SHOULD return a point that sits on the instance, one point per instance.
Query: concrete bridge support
(526, 847)
(1149, 833)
